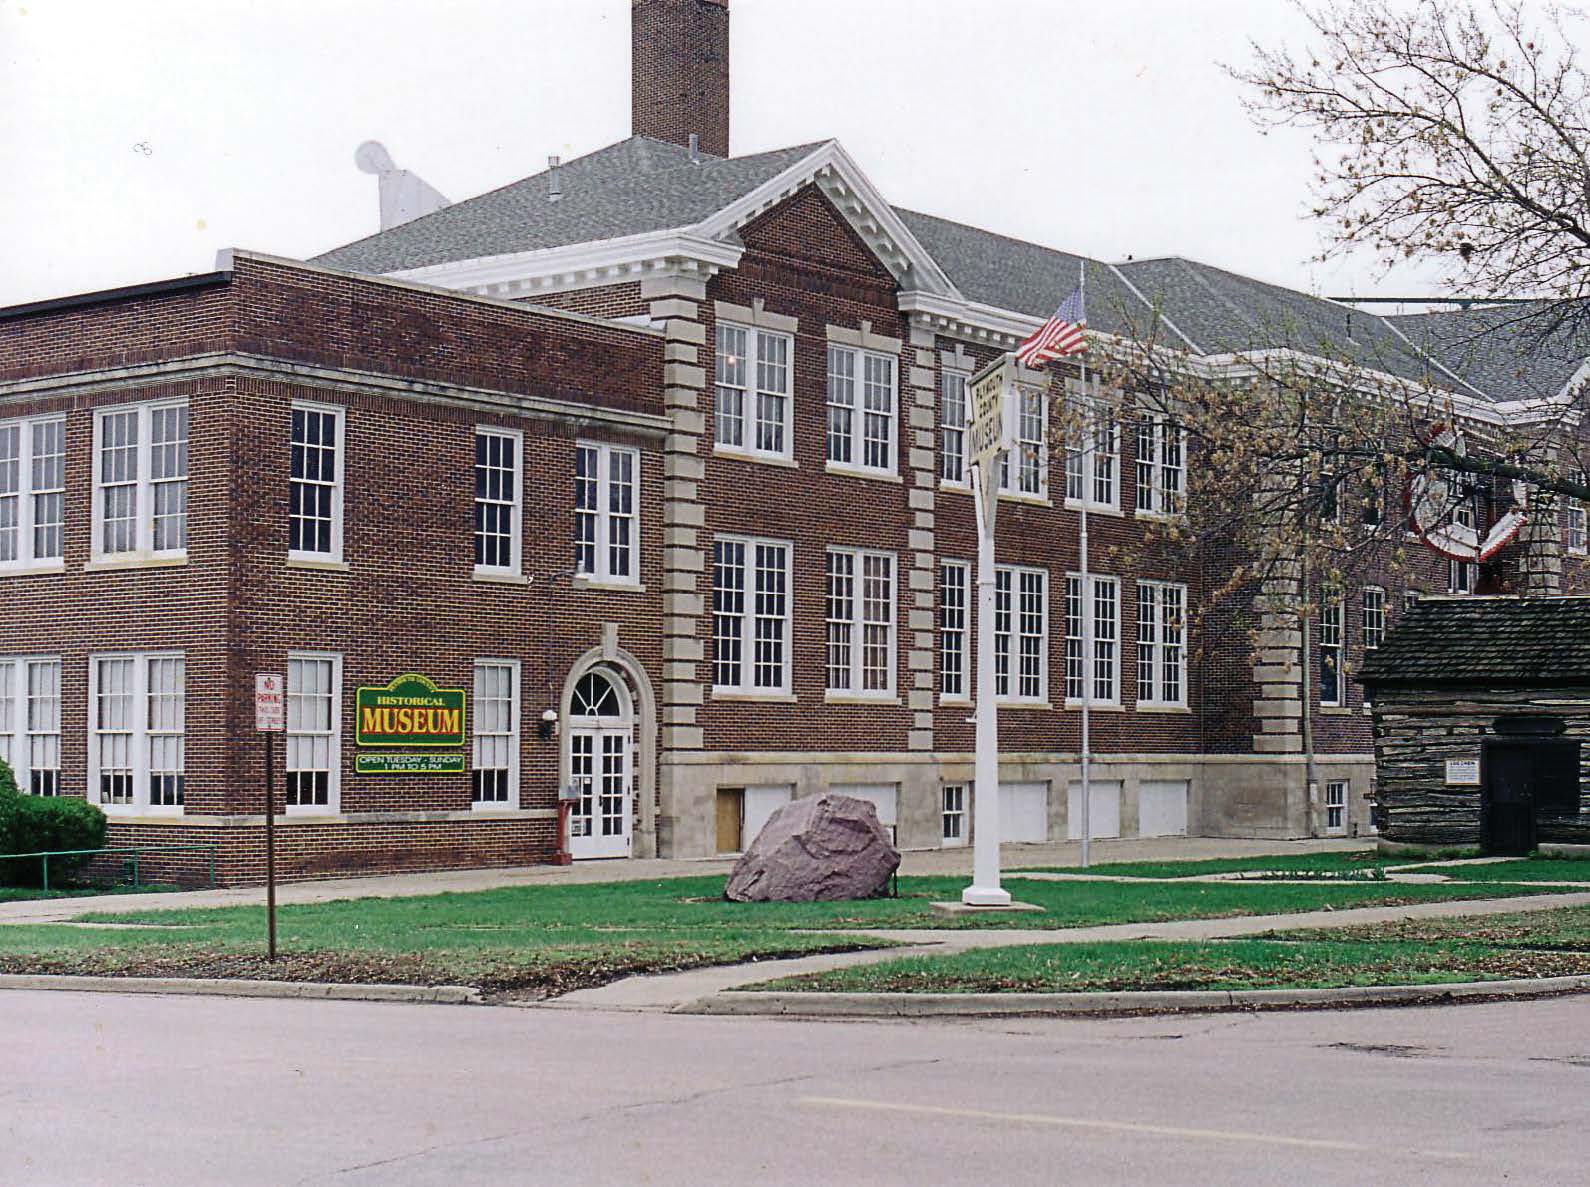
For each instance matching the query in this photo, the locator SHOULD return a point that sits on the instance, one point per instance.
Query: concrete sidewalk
(686, 991)
(933, 862)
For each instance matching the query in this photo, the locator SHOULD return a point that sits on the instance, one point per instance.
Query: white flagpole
(1088, 434)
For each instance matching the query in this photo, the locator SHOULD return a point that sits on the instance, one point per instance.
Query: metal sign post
(270, 717)
(989, 434)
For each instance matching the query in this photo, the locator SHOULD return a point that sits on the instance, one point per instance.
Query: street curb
(978, 1005)
(451, 995)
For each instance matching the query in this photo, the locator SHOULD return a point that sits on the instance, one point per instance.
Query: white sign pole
(992, 391)
(1089, 439)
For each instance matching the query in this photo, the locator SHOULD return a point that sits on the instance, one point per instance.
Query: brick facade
(415, 371)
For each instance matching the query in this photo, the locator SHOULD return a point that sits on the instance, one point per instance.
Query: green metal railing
(132, 865)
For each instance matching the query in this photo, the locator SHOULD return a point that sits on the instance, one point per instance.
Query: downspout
(1310, 770)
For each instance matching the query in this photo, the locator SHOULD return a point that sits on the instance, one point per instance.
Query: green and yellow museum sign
(410, 713)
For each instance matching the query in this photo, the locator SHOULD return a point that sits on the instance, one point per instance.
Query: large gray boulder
(824, 847)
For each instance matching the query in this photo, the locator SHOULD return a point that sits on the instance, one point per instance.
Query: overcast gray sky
(139, 138)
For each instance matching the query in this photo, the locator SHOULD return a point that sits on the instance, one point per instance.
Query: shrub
(36, 824)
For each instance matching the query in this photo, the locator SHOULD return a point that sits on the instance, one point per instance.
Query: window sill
(493, 577)
(1336, 710)
(329, 814)
(318, 565)
(112, 564)
(1160, 516)
(1026, 500)
(861, 472)
(132, 812)
(747, 455)
(34, 570)
(1023, 705)
(1097, 706)
(1005, 496)
(494, 811)
(1095, 508)
(615, 586)
(768, 698)
(845, 698)
(960, 702)
(1151, 707)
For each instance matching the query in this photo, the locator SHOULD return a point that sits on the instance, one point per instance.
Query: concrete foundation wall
(1228, 796)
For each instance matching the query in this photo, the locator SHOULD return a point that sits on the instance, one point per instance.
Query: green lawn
(1216, 964)
(1409, 952)
(550, 939)
(1526, 869)
(1361, 862)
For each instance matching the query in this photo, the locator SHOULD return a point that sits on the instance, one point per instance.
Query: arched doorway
(601, 744)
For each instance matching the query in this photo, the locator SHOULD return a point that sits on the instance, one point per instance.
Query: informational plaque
(270, 703)
(1463, 772)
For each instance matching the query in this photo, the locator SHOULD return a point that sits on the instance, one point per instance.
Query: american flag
(1061, 335)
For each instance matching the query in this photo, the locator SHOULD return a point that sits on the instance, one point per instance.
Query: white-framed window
(314, 733)
(1330, 650)
(1336, 806)
(860, 621)
(1161, 644)
(1024, 470)
(499, 499)
(952, 427)
(1161, 465)
(314, 520)
(1461, 575)
(861, 409)
(1104, 599)
(1374, 617)
(32, 491)
(752, 392)
(137, 709)
(30, 722)
(1576, 537)
(606, 519)
(955, 618)
(1410, 598)
(750, 615)
(494, 769)
(1021, 633)
(141, 480)
(1093, 457)
(953, 816)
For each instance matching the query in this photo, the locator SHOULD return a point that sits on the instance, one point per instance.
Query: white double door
(600, 768)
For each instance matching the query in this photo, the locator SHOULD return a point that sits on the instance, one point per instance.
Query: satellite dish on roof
(1434, 496)
(405, 196)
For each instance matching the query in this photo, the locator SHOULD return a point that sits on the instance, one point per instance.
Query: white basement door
(1162, 808)
(760, 804)
(1024, 812)
(1104, 811)
(883, 796)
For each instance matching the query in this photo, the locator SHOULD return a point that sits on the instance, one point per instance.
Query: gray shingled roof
(1485, 641)
(1214, 311)
(1019, 276)
(628, 188)
(1512, 351)
(640, 185)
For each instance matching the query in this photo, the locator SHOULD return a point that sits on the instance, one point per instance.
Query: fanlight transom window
(597, 696)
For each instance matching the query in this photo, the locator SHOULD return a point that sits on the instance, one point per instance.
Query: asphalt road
(168, 1090)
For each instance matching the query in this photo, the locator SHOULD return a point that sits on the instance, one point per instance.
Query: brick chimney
(680, 84)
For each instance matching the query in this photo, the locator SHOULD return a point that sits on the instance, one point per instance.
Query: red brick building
(659, 457)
